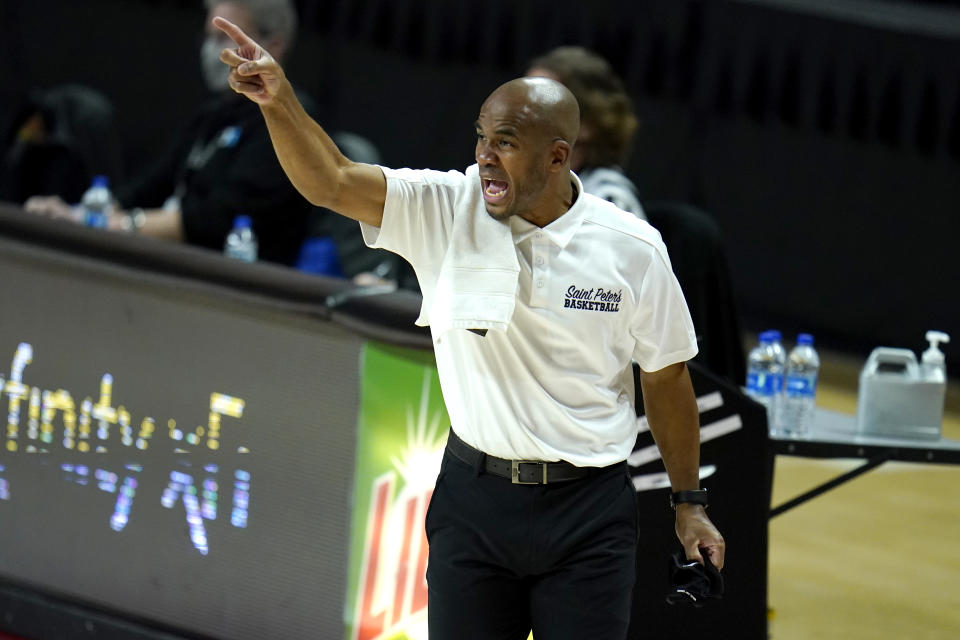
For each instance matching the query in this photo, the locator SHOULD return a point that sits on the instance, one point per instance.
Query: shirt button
(539, 260)
(539, 284)
(538, 235)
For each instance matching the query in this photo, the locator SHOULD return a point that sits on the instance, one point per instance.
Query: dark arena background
(232, 451)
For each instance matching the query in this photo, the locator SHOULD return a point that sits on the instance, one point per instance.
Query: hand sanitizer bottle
(934, 365)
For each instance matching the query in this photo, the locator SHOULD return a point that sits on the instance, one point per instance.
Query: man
(539, 297)
(220, 164)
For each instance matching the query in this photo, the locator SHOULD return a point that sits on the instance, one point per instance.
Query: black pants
(504, 559)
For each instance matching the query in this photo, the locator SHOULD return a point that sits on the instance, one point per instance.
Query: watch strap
(689, 496)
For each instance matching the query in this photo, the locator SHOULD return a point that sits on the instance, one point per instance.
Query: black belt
(518, 471)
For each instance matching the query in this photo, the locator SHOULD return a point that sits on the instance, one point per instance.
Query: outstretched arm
(309, 157)
(671, 409)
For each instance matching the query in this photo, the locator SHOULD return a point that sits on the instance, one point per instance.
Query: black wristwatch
(690, 496)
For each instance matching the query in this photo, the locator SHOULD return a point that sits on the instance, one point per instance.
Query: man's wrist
(279, 102)
(689, 496)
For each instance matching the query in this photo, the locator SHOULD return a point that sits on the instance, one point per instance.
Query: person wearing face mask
(222, 164)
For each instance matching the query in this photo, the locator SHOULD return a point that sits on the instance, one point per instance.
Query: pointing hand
(253, 72)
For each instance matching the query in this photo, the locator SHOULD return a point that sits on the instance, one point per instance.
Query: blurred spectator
(608, 125)
(221, 163)
(59, 139)
(336, 246)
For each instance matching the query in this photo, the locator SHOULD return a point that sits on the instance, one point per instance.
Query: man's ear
(560, 155)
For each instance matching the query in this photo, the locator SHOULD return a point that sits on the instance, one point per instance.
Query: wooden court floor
(876, 558)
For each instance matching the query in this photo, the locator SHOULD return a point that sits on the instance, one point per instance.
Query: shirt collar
(561, 230)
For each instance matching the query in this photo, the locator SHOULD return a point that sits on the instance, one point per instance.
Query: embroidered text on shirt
(594, 299)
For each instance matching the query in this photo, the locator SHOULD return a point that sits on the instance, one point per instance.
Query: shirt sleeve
(662, 327)
(417, 215)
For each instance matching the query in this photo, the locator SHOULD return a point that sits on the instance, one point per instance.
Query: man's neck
(564, 200)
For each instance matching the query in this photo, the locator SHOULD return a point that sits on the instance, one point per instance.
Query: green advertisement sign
(401, 434)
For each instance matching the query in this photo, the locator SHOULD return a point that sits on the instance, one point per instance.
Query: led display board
(171, 453)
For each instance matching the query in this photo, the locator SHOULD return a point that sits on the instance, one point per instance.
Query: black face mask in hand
(691, 582)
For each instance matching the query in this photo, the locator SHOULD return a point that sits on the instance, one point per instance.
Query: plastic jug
(898, 397)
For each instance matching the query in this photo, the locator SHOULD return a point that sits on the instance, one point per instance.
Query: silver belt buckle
(515, 471)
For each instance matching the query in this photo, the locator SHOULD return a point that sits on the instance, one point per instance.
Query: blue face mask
(215, 73)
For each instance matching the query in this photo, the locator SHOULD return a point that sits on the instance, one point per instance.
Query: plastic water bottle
(96, 203)
(241, 242)
(765, 364)
(798, 403)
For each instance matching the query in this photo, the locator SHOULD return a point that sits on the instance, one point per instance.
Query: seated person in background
(222, 164)
(607, 128)
(59, 139)
(335, 246)
(607, 122)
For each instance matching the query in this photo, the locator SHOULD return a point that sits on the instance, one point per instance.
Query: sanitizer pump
(934, 364)
(901, 398)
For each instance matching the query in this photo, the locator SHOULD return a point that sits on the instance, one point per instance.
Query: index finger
(236, 33)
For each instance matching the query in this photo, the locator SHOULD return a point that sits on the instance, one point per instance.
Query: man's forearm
(307, 154)
(675, 423)
(671, 409)
(311, 160)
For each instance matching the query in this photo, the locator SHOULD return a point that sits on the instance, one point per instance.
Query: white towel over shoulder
(466, 262)
(477, 284)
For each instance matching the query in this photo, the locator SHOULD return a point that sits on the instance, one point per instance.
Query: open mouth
(494, 191)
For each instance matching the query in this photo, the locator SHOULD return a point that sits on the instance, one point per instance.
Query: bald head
(544, 103)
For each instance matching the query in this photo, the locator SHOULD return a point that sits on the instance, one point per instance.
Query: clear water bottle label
(801, 386)
(764, 383)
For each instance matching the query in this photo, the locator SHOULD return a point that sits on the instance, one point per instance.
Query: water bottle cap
(805, 338)
(770, 335)
(100, 181)
(242, 222)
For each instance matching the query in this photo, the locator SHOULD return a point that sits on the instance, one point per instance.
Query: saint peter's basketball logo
(594, 299)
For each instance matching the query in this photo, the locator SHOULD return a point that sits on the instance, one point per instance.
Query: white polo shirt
(596, 292)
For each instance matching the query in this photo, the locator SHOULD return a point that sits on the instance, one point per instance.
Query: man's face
(512, 156)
